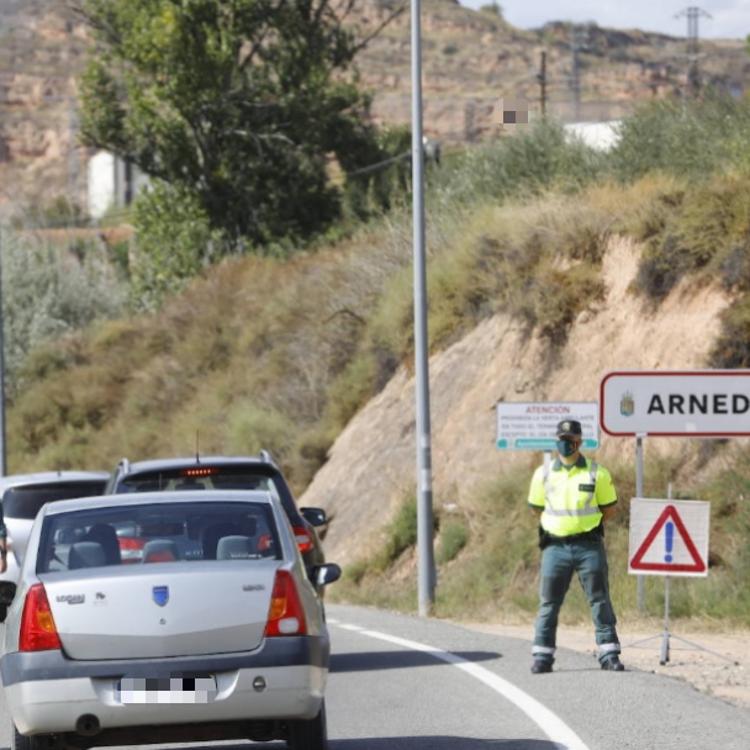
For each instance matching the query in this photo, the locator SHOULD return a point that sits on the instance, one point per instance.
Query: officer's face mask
(566, 447)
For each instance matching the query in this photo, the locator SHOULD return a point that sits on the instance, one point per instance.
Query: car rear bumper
(48, 693)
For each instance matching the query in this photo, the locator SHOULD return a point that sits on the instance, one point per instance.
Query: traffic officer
(574, 496)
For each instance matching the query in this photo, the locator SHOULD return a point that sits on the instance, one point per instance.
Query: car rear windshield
(199, 478)
(27, 501)
(165, 532)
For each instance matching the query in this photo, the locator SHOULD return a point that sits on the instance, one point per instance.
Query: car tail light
(38, 630)
(303, 538)
(131, 548)
(203, 471)
(285, 616)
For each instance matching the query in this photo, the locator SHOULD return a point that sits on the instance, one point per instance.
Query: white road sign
(531, 426)
(702, 403)
(669, 537)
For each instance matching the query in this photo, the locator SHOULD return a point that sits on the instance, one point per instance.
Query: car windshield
(165, 532)
(25, 502)
(199, 478)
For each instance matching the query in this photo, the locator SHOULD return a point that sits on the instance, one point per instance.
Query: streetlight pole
(426, 562)
(2, 366)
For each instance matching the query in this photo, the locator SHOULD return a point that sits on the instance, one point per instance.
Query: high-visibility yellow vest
(571, 497)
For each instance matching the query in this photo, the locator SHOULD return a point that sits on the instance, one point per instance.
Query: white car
(22, 497)
(214, 632)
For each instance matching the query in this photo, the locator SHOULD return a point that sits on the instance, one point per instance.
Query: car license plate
(161, 690)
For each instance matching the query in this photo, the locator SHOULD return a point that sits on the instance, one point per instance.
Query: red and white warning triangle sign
(668, 537)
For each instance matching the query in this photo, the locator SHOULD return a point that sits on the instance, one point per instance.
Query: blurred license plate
(134, 690)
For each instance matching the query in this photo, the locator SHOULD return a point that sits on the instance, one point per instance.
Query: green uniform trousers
(588, 558)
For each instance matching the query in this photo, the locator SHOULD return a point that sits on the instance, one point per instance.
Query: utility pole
(576, 43)
(73, 162)
(542, 78)
(3, 451)
(693, 14)
(425, 552)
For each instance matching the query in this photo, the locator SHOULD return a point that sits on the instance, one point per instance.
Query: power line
(693, 14)
(576, 44)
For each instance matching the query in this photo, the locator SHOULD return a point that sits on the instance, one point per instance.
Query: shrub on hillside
(513, 166)
(732, 348)
(695, 138)
(454, 536)
(703, 227)
(174, 240)
(49, 291)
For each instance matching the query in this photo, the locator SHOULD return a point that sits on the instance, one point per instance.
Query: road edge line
(548, 721)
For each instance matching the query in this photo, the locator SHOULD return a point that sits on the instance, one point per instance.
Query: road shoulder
(726, 678)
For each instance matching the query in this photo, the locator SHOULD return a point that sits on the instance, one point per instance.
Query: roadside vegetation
(497, 569)
(280, 349)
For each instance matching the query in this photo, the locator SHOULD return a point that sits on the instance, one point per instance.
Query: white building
(602, 136)
(112, 184)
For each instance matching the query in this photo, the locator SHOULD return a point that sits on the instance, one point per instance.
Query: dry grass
(281, 353)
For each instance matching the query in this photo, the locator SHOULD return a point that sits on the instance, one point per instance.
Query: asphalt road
(400, 683)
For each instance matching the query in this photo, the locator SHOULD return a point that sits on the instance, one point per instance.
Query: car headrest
(235, 548)
(210, 535)
(86, 555)
(160, 550)
(105, 535)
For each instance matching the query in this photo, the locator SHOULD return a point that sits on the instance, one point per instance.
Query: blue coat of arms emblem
(160, 595)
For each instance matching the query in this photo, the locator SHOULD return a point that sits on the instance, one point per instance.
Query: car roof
(157, 498)
(191, 461)
(51, 477)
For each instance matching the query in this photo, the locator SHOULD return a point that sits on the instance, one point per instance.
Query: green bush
(732, 348)
(175, 242)
(50, 291)
(454, 536)
(59, 212)
(695, 138)
(400, 535)
(252, 428)
(516, 166)
(703, 227)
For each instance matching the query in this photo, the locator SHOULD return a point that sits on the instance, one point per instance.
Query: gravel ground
(725, 674)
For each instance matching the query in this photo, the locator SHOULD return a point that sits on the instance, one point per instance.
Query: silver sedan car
(213, 631)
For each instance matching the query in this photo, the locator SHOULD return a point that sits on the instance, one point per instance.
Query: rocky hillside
(371, 465)
(473, 60)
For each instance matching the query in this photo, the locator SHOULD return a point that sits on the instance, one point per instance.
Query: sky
(730, 18)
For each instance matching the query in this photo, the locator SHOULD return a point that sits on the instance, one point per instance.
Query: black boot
(541, 666)
(613, 664)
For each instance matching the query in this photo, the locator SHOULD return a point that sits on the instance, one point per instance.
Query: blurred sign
(703, 403)
(669, 537)
(531, 426)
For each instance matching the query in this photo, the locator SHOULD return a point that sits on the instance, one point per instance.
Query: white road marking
(551, 724)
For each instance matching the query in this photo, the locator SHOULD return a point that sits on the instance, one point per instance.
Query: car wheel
(308, 734)
(3, 612)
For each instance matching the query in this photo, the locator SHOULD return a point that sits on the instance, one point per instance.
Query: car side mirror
(318, 519)
(314, 516)
(328, 573)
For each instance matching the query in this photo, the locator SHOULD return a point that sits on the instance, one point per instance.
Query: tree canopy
(241, 103)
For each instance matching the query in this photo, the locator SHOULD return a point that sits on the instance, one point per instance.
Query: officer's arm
(536, 491)
(608, 511)
(606, 497)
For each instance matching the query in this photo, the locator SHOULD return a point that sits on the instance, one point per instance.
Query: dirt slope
(371, 464)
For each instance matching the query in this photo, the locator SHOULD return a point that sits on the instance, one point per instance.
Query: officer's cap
(569, 428)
